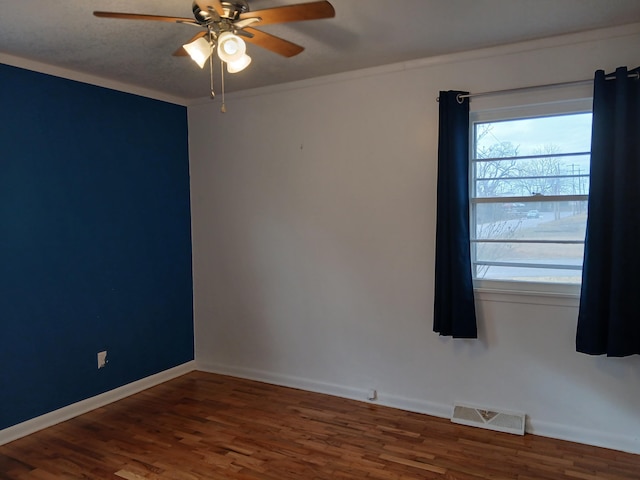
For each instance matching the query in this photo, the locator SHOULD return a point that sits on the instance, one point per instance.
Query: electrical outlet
(102, 359)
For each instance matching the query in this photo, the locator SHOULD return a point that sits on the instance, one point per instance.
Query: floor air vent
(490, 419)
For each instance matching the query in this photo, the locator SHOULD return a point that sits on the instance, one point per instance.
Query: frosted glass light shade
(239, 65)
(231, 48)
(199, 50)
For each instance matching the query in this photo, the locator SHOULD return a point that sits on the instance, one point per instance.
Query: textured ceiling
(364, 33)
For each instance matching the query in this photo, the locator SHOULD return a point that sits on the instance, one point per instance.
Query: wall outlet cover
(102, 359)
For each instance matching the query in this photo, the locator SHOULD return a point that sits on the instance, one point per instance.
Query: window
(529, 190)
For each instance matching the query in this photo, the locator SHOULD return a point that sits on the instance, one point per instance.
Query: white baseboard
(383, 398)
(630, 444)
(623, 443)
(52, 418)
(595, 438)
(284, 380)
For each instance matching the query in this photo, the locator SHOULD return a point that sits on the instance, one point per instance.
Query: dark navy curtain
(454, 310)
(609, 317)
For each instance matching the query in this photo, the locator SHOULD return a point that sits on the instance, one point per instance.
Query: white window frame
(546, 293)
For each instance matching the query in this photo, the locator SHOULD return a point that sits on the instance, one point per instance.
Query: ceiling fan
(225, 24)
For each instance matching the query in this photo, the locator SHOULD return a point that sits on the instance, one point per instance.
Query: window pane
(530, 253)
(531, 159)
(531, 136)
(566, 175)
(531, 221)
(517, 223)
(524, 274)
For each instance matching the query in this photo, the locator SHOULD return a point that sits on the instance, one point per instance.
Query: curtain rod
(461, 97)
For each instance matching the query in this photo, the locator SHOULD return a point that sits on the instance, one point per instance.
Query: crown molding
(68, 74)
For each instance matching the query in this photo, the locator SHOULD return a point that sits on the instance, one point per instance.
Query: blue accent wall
(95, 241)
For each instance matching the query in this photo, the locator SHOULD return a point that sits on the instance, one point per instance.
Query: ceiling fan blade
(181, 52)
(139, 16)
(271, 42)
(215, 4)
(247, 22)
(292, 13)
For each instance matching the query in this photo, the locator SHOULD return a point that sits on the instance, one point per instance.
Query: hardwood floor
(206, 426)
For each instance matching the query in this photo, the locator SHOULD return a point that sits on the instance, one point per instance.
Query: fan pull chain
(213, 94)
(223, 108)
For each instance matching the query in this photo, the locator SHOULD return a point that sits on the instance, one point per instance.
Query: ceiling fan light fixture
(231, 48)
(199, 50)
(224, 20)
(239, 65)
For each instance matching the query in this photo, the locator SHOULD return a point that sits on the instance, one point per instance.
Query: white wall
(313, 209)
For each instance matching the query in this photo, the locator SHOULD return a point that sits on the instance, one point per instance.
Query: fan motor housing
(235, 8)
(232, 11)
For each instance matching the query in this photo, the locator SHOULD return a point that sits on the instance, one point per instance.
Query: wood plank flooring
(206, 426)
